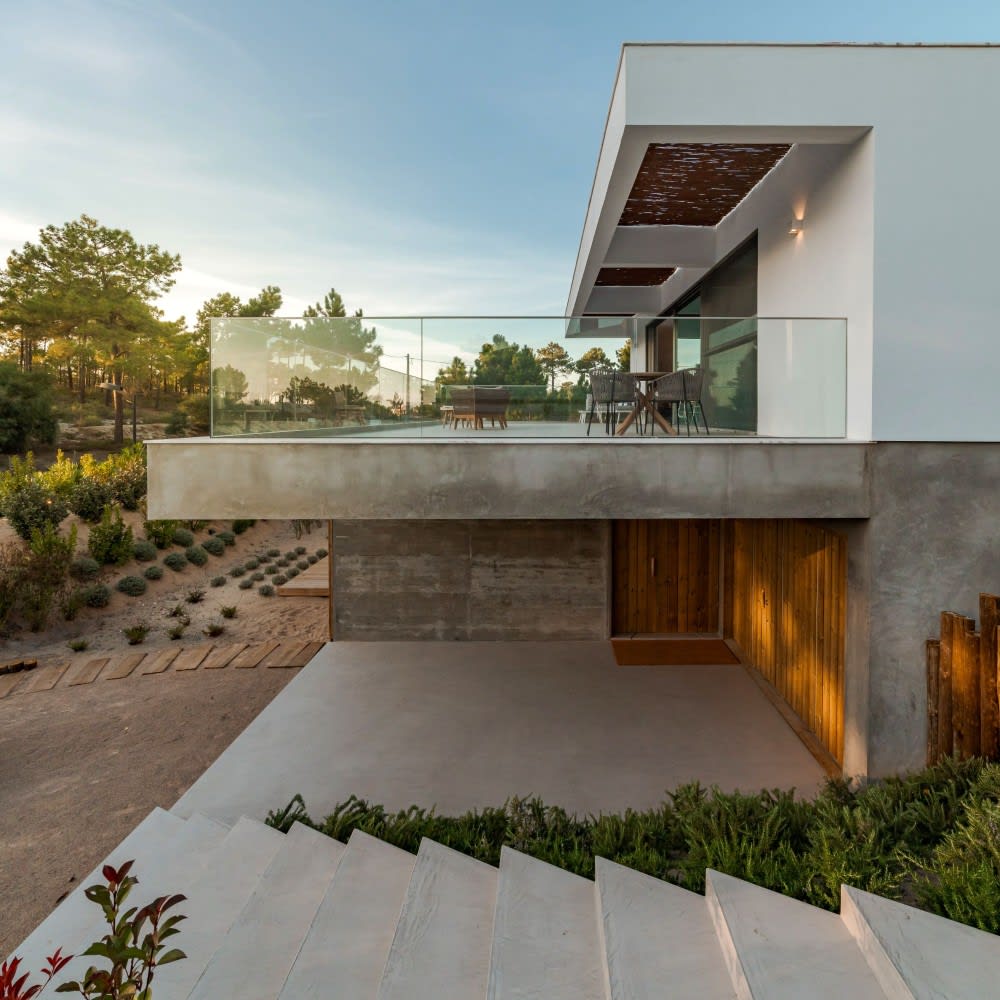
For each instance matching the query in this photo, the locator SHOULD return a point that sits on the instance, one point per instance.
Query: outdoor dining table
(643, 402)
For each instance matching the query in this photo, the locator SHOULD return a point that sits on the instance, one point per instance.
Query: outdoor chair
(491, 404)
(464, 402)
(682, 389)
(343, 410)
(608, 388)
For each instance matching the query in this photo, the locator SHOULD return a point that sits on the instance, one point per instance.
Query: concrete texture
(466, 725)
(933, 546)
(471, 580)
(596, 478)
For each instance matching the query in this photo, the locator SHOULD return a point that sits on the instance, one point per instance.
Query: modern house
(812, 227)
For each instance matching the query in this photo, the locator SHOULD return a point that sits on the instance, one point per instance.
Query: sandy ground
(80, 766)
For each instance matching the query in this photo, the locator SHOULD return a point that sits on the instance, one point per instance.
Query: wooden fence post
(989, 707)
(945, 738)
(933, 671)
(965, 699)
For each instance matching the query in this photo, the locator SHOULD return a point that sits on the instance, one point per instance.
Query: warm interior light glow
(795, 227)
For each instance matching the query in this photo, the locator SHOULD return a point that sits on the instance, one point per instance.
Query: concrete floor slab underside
(463, 725)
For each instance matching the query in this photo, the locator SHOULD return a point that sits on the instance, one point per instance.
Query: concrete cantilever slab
(367, 476)
(917, 955)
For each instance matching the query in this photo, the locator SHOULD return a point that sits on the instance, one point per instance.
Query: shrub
(214, 628)
(266, 590)
(61, 476)
(175, 561)
(30, 505)
(70, 604)
(154, 572)
(228, 611)
(111, 541)
(321, 553)
(300, 550)
(97, 595)
(274, 553)
(182, 537)
(252, 563)
(135, 634)
(177, 611)
(177, 631)
(88, 499)
(270, 570)
(240, 526)
(191, 416)
(78, 645)
(257, 577)
(302, 564)
(196, 555)
(27, 414)
(282, 563)
(279, 580)
(312, 560)
(134, 586)
(227, 537)
(237, 571)
(218, 581)
(291, 572)
(144, 551)
(196, 526)
(160, 533)
(290, 556)
(246, 584)
(125, 474)
(263, 559)
(84, 568)
(214, 545)
(46, 569)
(195, 596)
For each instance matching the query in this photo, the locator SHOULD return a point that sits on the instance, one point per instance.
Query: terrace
(503, 378)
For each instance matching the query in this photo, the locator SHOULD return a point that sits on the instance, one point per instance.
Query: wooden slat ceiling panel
(695, 184)
(633, 275)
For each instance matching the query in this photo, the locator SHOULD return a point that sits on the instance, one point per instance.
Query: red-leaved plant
(133, 946)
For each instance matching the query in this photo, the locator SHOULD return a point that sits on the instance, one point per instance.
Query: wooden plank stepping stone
(122, 666)
(16, 666)
(312, 582)
(252, 655)
(8, 682)
(46, 678)
(156, 663)
(296, 654)
(282, 652)
(190, 658)
(86, 672)
(221, 655)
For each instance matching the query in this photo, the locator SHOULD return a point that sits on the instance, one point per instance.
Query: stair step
(346, 948)
(778, 948)
(230, 875)
(920, 956)
(545, 939)
(441, 948)
(656, 933)
(256, 954)
(69, 925)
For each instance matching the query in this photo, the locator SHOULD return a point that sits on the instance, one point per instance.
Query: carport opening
(770, 594)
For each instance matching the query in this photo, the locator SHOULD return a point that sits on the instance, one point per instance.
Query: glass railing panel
(529, 376)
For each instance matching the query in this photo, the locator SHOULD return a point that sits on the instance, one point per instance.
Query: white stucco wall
(927, 170)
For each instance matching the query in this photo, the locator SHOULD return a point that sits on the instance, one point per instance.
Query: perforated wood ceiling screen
(633, 275)
(695, 184)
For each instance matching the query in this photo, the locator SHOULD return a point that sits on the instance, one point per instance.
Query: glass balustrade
(498, 378)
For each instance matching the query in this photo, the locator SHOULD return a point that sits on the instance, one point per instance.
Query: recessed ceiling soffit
(696, 184)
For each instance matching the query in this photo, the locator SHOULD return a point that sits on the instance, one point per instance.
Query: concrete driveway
(463, 725)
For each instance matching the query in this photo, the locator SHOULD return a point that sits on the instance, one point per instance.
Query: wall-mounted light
(795, 226)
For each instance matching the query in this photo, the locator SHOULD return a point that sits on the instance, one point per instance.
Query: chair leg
(688, 408)
(590, 416)
(704, 419)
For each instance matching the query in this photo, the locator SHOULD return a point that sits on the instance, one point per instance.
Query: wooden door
(665, 577)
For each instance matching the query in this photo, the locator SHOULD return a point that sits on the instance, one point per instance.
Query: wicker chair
(608, 388)
(682, 389)
(464, 401)
(476, 403)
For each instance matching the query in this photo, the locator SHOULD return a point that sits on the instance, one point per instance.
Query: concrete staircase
(275, 917)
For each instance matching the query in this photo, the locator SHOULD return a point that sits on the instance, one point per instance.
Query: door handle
(652, 566)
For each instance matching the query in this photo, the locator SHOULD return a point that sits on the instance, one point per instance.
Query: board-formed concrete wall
(933, 545)
(470, 579)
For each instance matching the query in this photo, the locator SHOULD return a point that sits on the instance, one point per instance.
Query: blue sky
(422, 157)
